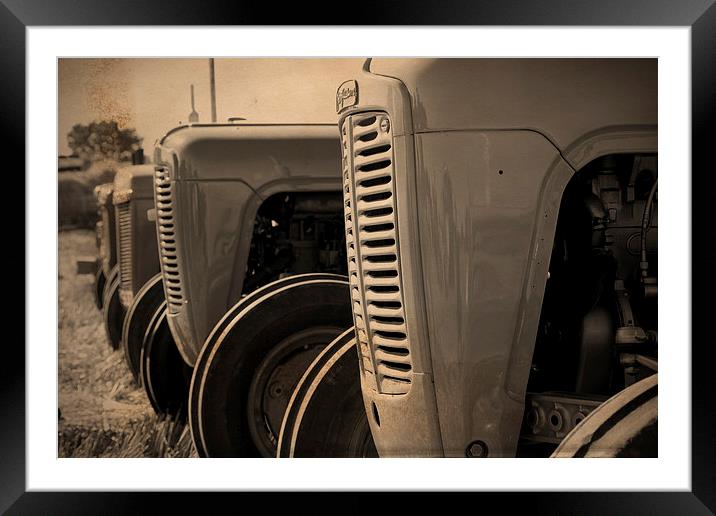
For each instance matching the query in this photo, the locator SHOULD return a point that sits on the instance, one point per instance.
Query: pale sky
(152, 95)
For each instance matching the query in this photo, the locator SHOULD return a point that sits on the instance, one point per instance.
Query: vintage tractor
(252, 243)
(501, 230)
(137, 290)
(105, 235)
(134, 250)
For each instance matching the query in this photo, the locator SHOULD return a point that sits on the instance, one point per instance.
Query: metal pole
(212, 87)
(193, 116)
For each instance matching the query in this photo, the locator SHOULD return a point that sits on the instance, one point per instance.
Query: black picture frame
(700, 15)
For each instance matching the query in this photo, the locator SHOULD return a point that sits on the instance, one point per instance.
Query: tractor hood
(563, 99)
(133, 182)
(249, 152)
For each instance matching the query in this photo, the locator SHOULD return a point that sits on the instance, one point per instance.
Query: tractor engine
(598, 326)
(296, 233)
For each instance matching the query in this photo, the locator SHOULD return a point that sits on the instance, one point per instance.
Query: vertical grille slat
(164, 201)
(124, 236)
(372, 249)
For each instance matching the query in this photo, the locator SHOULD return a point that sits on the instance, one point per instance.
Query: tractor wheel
(326, 416)
(100, 280)
(164, 374)
(623, 426)
(112, 310)
(253, 359)
(222, 325)
(137, 321)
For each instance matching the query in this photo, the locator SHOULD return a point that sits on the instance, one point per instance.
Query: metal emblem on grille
(347, 95)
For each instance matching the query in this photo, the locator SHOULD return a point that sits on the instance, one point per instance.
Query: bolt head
(477, 449)
(275, 390)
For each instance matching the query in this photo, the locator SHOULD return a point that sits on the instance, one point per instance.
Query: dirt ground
(103, 412)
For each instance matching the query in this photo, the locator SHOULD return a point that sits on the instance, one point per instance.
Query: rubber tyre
(138, 319)
(326, 416)
(164, 374)
(100, 280)
(223, 416)
(626, 425)
(221, 326)
(112, 310)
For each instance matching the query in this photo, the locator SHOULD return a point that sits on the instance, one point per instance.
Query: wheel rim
(275, 379)
(326, 416)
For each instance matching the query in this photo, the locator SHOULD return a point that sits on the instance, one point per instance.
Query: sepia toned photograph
(357, 257)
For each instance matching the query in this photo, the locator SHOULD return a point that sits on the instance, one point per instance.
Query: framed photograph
(378, 250)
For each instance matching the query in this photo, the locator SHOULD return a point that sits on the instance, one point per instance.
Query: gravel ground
(103, 412)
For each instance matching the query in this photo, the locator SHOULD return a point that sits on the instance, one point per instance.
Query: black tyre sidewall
(333, 421)
(114, 314)
(137, 321)
(213, 338)
(100, 280)
(165, 375)
(228, 371)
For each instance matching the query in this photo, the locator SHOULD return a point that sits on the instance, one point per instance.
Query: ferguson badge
(347, 95)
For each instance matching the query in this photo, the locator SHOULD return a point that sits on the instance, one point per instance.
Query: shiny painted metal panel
(145, 258)
(209, 222)
(481, 194)
(564, 99)
(263, 153)
(220, 174)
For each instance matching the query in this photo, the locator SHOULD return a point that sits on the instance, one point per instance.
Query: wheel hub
(276, 377)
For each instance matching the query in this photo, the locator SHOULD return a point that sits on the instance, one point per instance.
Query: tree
(103, 140)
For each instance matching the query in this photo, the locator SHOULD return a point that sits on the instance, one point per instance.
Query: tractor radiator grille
(124, 236)
(372, 248)
(171, 276)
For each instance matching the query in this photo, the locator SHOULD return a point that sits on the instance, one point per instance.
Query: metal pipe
(645, 221)
(212, 88)
(648, 362)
